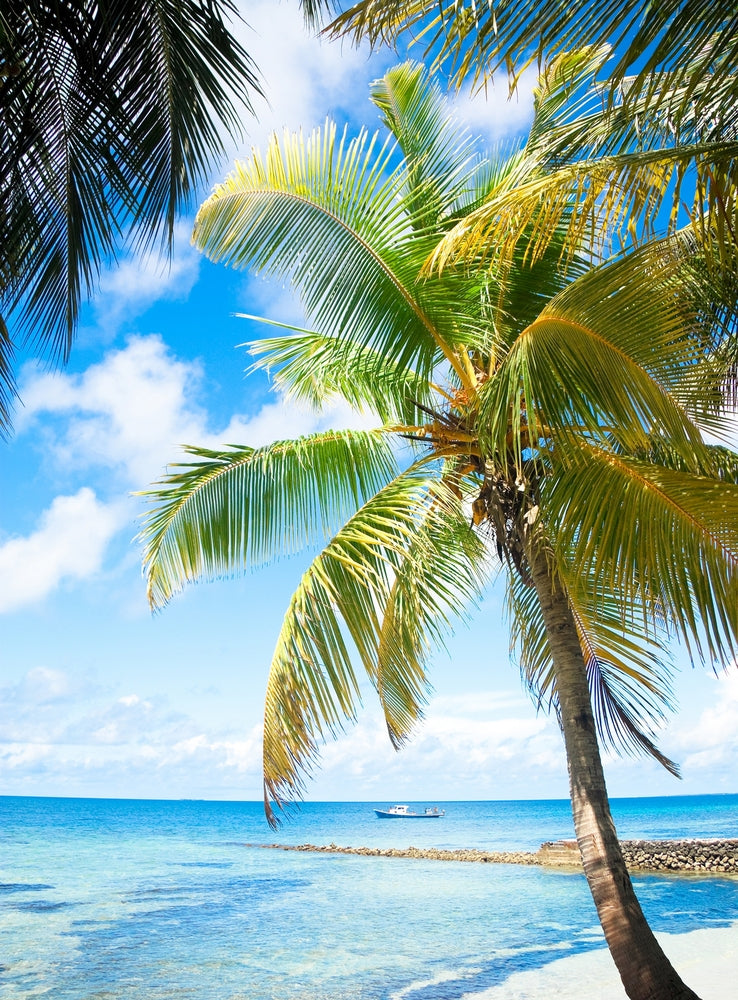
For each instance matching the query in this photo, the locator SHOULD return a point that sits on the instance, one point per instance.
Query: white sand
(707, 961)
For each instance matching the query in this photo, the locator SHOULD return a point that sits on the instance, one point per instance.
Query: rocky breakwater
(705, 857)
(426, 853)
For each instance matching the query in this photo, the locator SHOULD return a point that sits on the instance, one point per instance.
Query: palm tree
(531, 400)
(111, 114)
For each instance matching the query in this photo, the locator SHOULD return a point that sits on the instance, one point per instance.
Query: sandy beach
(706, 959)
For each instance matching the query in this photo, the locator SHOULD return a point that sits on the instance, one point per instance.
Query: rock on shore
(707, 857)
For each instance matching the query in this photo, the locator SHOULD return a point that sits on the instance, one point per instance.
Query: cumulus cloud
(713, 742)
(135, 282)
(493, 112)
(482, 740)
(132, 411)
(307, 78)
(126, 412)
(304, 77)
(68, 544)
(58, 727)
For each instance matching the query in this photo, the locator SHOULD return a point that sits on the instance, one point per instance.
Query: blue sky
(99, 697)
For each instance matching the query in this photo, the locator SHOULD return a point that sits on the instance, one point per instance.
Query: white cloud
(135, 282)
(494, 113)
(713, 740)
(129, 413)
(304, 77)
(68, 544)
(132, 411)
(138, 740)
(61, 730)
(41, 690)
(448, 753)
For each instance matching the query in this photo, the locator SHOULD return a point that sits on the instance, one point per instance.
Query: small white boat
(404, 812)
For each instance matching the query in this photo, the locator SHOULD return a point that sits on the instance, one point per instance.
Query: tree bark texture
(645, 971)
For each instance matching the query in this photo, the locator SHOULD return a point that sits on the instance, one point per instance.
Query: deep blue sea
(111, 899)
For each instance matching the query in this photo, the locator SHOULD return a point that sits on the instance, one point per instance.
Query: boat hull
(383, 814)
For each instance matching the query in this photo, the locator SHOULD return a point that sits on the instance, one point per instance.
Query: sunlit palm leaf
(611, 356)
(612, 198)
(340, 198)
(440, 155)
(629, 678)
(670, 44)
(678, 560)
(444, 570)
(312, 687)
(240, 506)
(314, 368)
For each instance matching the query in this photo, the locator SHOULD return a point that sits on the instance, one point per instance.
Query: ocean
(109, 898)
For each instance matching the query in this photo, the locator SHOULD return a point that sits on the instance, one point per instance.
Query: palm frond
(668, 45)
(442, 574)
(112, 115)
(240, 507)
(339, 198)
(603, 203)
(356, 592)
(565, 98)
(313, 368)
(316, 10)
(439, 153)
(7, 380)
(629, 678)
(678, 560)
(613, 356)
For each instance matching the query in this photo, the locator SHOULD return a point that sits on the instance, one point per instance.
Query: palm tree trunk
(644, 969)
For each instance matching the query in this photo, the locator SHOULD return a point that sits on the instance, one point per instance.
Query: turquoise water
(109, 899)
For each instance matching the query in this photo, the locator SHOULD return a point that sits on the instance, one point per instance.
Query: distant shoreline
(704, 857)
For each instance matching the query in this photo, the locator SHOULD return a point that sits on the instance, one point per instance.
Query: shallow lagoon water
(113, 898)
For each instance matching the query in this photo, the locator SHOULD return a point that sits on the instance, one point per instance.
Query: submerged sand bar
(706, 857)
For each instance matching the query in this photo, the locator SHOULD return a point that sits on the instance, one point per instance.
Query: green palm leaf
(439, 153)
(613, 356)
(616, 198)
(378, 567)
(671, 44)
(444, 571)
(238, 507)
(314, 368)
(361, 278)
(629, 678)
(678, 560)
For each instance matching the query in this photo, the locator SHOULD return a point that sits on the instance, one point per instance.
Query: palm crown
(530, 399)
